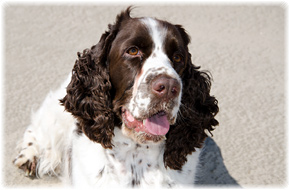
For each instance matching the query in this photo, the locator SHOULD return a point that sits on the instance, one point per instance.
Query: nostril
(174, 90)
(161, 88)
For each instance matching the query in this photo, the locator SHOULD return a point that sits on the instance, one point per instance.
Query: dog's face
(146, 60)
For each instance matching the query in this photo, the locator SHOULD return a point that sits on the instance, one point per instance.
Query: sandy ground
(243, 46)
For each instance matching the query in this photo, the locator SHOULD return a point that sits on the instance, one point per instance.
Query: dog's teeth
(144, 121)
(27, 173)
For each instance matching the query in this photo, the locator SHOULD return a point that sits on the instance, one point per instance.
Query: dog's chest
(126, 165)
(137, 165)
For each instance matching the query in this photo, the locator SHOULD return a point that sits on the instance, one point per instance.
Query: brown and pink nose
(165, 87)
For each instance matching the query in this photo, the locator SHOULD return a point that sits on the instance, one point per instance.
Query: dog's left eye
(133, 51)
(177, 58)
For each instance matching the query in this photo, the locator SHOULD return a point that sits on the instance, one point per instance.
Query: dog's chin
(142, 137)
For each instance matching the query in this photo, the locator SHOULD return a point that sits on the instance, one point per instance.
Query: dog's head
(140, 77)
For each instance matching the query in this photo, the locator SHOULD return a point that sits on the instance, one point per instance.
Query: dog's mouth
(155, 125)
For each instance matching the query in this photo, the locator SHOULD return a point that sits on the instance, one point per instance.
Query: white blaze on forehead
(157, 33)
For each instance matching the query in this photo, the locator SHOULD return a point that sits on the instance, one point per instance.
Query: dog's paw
(27, 161)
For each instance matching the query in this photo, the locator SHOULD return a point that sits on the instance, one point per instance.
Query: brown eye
(177, 58)
(133, 51)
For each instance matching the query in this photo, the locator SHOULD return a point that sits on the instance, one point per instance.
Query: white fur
(126, 162)
(50, 133)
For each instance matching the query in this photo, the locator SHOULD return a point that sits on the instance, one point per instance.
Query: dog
(133, 112)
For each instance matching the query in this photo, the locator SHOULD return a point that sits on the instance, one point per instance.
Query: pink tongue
(157, 124)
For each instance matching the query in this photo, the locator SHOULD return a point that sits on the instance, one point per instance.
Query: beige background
(243, 46)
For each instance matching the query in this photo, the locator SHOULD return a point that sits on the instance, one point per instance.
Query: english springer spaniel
(136, 112)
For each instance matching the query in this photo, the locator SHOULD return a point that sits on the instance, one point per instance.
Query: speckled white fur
(127, 165)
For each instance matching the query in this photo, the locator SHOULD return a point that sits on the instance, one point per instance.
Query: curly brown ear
(197, 113)
(88, 94)
(88, 98)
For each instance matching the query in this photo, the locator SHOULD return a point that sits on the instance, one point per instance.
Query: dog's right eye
(133, 51)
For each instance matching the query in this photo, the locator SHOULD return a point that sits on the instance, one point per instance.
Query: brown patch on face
(125, 69)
